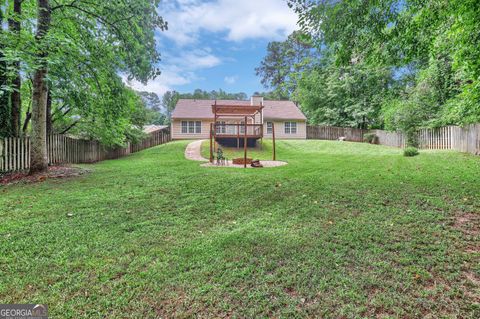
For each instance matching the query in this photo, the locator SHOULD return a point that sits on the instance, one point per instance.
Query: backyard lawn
(345, 230)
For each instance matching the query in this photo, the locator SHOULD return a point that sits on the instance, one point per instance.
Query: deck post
(215, 126)
(261, 138)
(245, 145)
(211, 148)
(273, 140)
(261, 122)
(238, 135)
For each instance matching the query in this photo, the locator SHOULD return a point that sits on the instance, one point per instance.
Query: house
(193, 119)
(147, 129)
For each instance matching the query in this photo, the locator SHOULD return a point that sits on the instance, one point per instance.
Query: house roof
(236, 110)
(202, 109)
(153, 128)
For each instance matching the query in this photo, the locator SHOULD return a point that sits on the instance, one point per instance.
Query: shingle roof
(202, 109)
(152, 128)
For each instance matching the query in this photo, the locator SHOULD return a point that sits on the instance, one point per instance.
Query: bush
(410, 151)
(370, 138)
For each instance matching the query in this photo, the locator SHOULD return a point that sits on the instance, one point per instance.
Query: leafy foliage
(284, 62)
(410, 151)
(343, 96)
(431, 47)
(213, 95)
(371, 138)
(91, 46)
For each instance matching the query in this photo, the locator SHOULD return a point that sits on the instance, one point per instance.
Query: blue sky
(217, 43)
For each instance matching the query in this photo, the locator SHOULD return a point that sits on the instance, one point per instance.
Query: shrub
(410, 151)
(370, 138)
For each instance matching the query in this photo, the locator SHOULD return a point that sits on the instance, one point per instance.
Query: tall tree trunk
(4, 94)
(49, 113)
(28, 113)
(28, 116)
(16, 102)
(38, 142)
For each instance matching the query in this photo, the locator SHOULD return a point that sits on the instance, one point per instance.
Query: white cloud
(189, 21)
(194, 59)
(231, 79)
(177, 70)
(240, 20)
(160, 84)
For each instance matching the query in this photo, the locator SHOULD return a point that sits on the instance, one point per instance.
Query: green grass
(346, 230)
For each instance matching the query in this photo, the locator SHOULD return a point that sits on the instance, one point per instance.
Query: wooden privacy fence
(466, 139)
(463, 139)
(334, 133)
(395, 139)
(15, 152)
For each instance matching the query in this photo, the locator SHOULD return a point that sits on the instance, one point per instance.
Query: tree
(272, 95)
(212, 95)
(343, 96)
(5, 113)
(280, 68)
(432, 47)
(10, 100)
(169, 101)
(16, 101)
(151, 100)
(38, 143)
(122, 31)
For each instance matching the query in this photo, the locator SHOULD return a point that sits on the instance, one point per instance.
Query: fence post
(2, 158)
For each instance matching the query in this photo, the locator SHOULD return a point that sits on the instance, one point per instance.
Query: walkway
(193, 151)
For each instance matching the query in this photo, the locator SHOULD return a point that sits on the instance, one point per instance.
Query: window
(184, 127)
(269, 127)
(191, 127)
(198, 127)
(290, 127)
(221, 128)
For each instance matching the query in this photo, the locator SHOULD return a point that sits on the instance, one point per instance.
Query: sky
(216, 44)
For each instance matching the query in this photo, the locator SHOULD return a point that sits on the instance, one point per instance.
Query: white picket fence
(15, 152)
(463, 139)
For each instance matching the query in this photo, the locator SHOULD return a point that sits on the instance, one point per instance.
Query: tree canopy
(388, 63)
(62, 64)
(284, 62)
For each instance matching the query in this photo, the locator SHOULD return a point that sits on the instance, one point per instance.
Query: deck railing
(237, 130)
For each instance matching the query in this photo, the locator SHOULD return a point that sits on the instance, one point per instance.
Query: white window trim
(290, 128)
(191, 127)
(184, 127)
(270, 128)
(198, 127)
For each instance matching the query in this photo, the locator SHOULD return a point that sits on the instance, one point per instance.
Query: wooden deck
(238, 130)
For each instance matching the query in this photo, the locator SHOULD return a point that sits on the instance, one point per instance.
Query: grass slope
(345, 230)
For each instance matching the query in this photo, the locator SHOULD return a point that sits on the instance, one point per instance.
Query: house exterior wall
(176, 129)
(280, 130)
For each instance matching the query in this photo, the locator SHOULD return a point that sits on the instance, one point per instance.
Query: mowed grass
(345, 230)
(263, 151)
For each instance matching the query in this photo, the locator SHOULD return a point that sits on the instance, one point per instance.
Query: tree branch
(70, 127)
